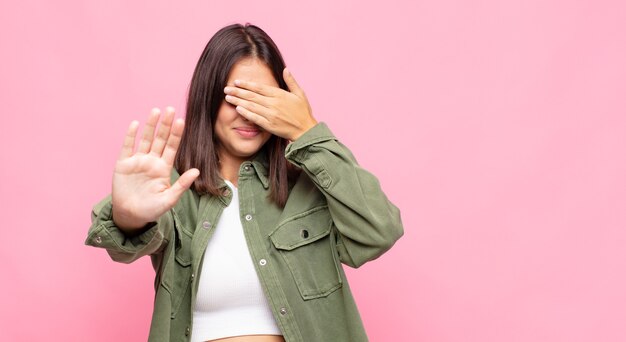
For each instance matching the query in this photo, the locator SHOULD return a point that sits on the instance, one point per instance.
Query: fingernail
(228, 90)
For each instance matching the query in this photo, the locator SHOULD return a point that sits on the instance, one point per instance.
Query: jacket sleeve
(105, 234)
(368, 223)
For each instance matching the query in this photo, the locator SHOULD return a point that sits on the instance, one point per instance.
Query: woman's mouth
(248, 132)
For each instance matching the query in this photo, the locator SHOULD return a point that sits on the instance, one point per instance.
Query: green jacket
(336, 213)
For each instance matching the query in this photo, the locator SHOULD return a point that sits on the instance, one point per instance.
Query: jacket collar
(261, 165)
(258, 163)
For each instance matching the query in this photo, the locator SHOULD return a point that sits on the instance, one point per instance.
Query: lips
(248, 132)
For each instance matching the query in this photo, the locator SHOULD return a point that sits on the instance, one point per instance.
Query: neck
(229, 168)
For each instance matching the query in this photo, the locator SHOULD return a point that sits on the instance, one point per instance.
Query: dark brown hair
(198, 146)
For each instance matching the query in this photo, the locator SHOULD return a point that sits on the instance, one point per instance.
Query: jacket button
(193, 276)
(248, 217)
(206, 224)
(187, 331)
(247, 167)
(98, 239)
(283, 311)
(262, 262)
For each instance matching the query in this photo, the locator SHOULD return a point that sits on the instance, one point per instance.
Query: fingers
(169, 153)
(249, 105)
(129, 140)
(292, 84)
(163, 133)
(183, 183)
(167, 139)
(255, 118)
(258, 88)
(148, 131)
(248, 95)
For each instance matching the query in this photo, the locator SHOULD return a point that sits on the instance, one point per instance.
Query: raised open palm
(141, 181)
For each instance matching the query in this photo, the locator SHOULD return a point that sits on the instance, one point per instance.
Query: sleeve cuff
(296, 151)
(105, 234)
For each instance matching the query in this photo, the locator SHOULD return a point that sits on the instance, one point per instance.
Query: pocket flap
(182, 245)
(302, 229)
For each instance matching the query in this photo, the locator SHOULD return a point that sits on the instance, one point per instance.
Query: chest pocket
(176, 278)
(306, 242)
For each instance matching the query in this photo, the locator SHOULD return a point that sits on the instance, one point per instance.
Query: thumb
(183, 183)
(291, 83)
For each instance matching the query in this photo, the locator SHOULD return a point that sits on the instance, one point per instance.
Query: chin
(248, 152)
(251, 147)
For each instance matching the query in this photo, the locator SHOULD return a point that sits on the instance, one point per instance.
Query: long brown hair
(198, 146)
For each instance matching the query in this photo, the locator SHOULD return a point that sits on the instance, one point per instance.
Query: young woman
(247, 208)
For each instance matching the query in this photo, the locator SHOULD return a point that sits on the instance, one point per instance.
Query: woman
(247, 243)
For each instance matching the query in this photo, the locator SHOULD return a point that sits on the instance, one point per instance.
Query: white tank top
(230, 300)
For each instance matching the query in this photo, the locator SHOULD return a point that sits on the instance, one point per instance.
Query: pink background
(498, 128)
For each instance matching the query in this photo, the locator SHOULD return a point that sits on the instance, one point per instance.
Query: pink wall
(500, 129)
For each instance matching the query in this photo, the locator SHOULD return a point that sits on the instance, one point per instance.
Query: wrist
(305, 129)
(127, 223)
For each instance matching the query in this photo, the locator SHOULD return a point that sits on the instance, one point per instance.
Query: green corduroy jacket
(336, 213)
